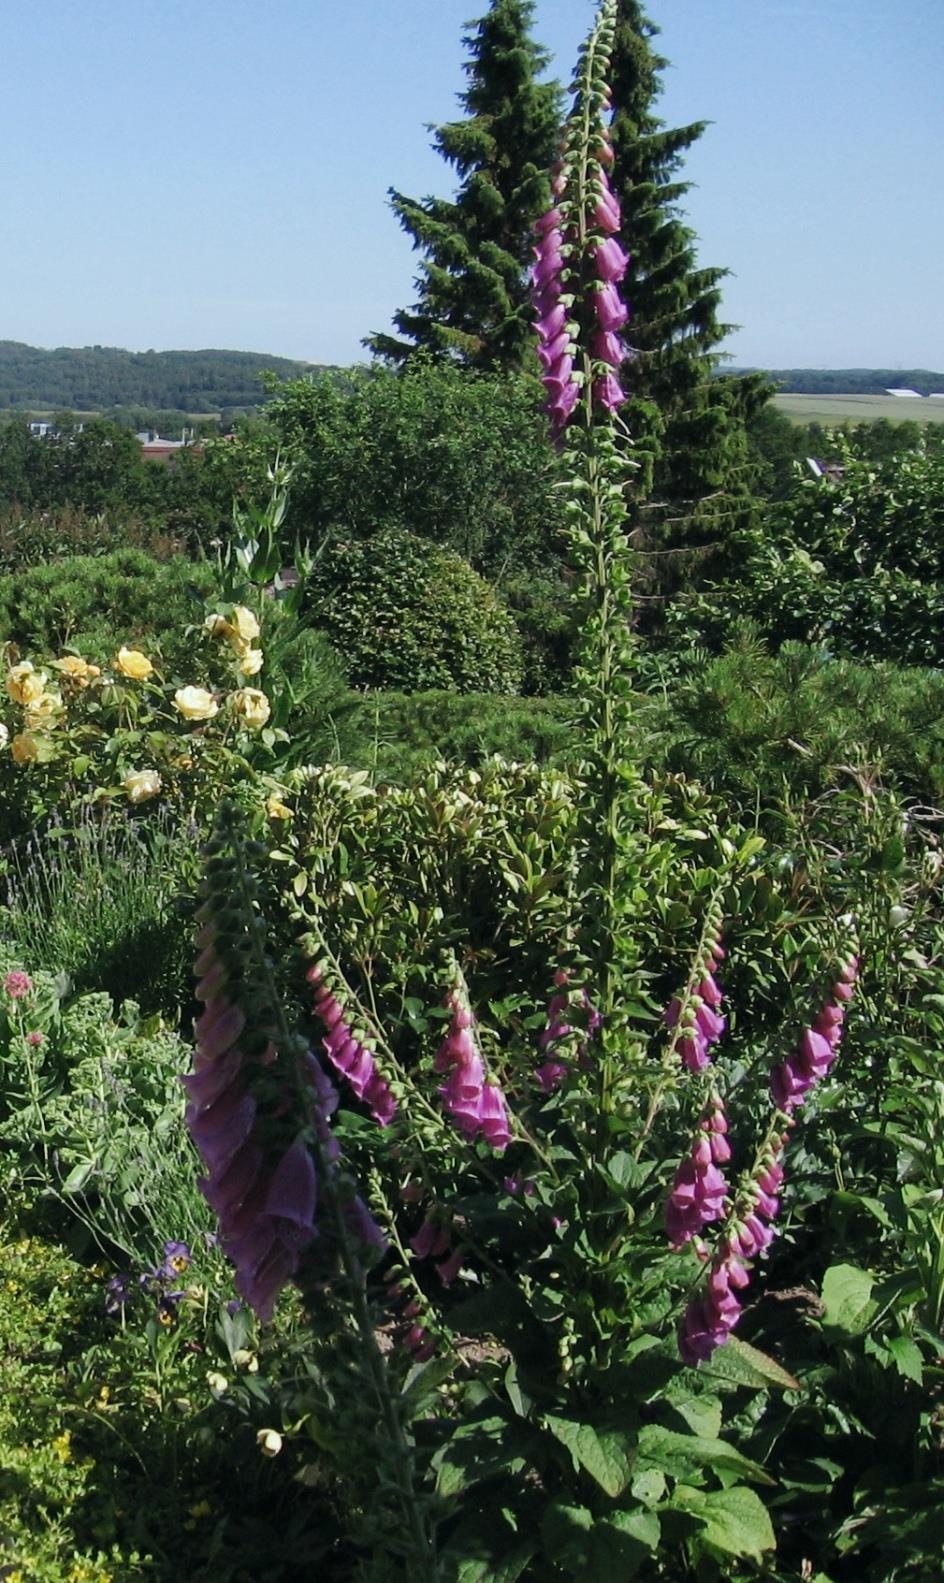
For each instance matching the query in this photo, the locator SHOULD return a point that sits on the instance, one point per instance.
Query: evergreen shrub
(411, 616)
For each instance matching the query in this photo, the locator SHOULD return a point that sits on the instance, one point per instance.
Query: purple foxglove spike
(223, 1128)
(494, 1117)
(361, 1223)
(552, 323)
(212, 982)
(842, 990)
(608, 393)
(610, 260)
(816, 1053)
(431, 1241)
(549, 221)
(701, 1151)
(261, 1288)
(607, 347)
(227, 1191)
(330, 1012)
(218, 1028)
(555, 350)
(710, 991)
(337, 1040)
(711, 1025)
(449, 1269)
(830, 1016)
(556, 383)
(720, 1148)
(765, 1204)
(210, 1079)
(693, 1050)
(610, 309)
(549, 1076)
(293, 1196)
(770, 1178)
(672, 1012)
(849, 971)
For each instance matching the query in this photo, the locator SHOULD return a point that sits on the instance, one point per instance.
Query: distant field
(858, 409)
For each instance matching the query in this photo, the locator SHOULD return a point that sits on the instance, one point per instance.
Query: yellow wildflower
(252, 705)
(141, 784)
(217, 626)
(25, 684)
(195, 703)
(131, 662)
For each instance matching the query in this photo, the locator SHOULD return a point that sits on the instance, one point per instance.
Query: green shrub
(96, 603)
(756, 724)
(402, 731)
(856, 565)
(456, 457)
(410, 616)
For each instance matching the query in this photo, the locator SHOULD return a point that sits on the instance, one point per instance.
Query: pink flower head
(36, 1039)
(610, 260)
(17, 984)
(610, 309)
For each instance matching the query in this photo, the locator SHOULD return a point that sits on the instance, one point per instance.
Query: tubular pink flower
(610, 309)
(610, 260)
(608, 393)
(809, 1063)
(699, 1190)
(349, 1055)
(475, 1104)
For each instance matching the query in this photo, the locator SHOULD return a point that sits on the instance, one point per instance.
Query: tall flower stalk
(579, 265)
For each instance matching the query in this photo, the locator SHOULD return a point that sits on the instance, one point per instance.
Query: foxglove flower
(702, 1023)
(550, 1073)
(349, 1055)
(816, 1050)
(699, 1190)
(475, 1103)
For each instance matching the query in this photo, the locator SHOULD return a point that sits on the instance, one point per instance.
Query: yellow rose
(43, 712)
(131, 662)
(141, 784)
(276, 808)
(195, 703)
(78, 670)
(217, 626)
(25, 748)
(252, 705)
(25, 684)
(250, 661)
(243, 625)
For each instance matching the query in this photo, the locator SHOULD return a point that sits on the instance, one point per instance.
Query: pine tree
(473, 284)
(688, 423)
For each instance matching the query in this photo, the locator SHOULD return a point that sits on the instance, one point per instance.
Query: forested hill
(852, 381)
(93, 378)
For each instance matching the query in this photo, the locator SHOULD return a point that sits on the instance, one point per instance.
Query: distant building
(155, 449)
(903, 391)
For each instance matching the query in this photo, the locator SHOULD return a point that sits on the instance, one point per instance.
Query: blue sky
(183, 174)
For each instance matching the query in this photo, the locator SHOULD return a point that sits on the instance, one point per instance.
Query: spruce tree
(473, 284)
(688, 423)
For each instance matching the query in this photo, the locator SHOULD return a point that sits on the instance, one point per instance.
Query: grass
(802, 408)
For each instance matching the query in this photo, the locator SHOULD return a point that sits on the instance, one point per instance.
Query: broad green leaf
(614, 1548)
(679, 1455)
(742, 1364)
(847, 1299)
(908, 1359)
(606, 1454)
(701, 1413)
(505, 1570)
(735, 1520)
(422, 1384)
